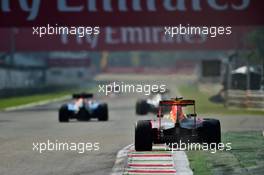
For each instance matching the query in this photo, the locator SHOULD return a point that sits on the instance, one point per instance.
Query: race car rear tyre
(142, 107)
(143, 136)
(103, 112)
(211, 131)
(64, 114)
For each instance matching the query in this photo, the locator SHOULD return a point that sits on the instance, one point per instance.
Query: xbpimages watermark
(121, 87)
(212, 147)
(79, 147)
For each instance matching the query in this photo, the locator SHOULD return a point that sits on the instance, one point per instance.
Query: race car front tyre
(64, 114)
(103, 112)
(142, 107)
(211, 132)
(143, 136)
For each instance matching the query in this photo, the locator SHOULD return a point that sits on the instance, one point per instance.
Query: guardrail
(245, 98)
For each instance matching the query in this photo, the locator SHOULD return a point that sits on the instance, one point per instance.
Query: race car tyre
(143, 136)
(64, 114)
(211, 132)
(103, 112)
(83, 115)
(142, 107)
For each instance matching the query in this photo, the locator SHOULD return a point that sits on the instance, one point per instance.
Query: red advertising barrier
(122, 38)
(131, 12)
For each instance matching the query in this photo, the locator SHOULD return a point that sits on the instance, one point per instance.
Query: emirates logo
(32, 7)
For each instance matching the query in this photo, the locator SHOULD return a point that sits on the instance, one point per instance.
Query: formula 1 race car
(144, 106)
(83, 108)
(178, 128)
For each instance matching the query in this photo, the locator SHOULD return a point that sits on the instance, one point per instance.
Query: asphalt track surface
(19, 129)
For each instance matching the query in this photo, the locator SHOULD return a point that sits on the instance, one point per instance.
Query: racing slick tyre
(83, 115)
(211, 131)
(142, 107)
(103, 112)
(64, 114)
(143, 136)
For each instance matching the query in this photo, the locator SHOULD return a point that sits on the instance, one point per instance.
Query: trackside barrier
(245, 99)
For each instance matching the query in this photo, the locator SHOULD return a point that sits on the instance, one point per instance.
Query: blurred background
(225, 75)
(30, 65)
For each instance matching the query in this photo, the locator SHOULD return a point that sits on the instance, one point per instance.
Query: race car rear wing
(177, 102)
(82, 95)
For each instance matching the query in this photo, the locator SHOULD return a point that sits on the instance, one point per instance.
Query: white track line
(120, 162)
(43, 102)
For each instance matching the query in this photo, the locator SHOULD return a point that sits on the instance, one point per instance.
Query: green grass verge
(23, 100)
(17, 101)
(246, 156)
(248, 148)
(198, 163)
(205, 106)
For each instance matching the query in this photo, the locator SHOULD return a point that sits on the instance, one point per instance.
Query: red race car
(176, 126)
